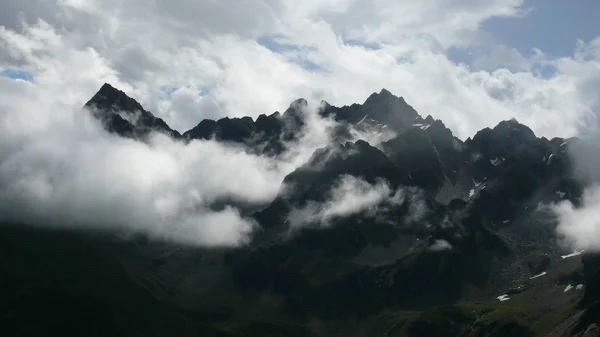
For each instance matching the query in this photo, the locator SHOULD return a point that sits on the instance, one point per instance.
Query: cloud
(440, 245)
(579, 225)
(348, 196)
(218, 68)
(208, 55)
(59, 168)
(375, 135)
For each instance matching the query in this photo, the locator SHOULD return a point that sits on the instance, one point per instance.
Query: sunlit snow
(362, 120)
(538, 275)
(575, 253)
(503, 298)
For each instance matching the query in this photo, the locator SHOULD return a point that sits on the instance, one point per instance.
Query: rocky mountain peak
(109, 98)
(124, 115)
(386, 108)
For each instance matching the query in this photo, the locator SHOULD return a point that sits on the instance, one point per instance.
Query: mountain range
(453, 239)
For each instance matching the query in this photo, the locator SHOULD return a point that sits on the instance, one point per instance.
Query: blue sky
(553, 26)
(277, 44)
(16, 74)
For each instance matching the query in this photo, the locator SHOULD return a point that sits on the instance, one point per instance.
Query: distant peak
(297, 107)
(511, 124)
(107, 86)
(386, 92)
(382, 96)
(300, 102)
(108, 89)
(111, 99)
(508, 127)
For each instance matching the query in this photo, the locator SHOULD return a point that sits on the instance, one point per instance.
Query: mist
(60, 168)
(440, 245)
(579, 225)
(349, 196)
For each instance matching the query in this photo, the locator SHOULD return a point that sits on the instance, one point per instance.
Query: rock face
(124, 116)
(267, 135)
(452, 227)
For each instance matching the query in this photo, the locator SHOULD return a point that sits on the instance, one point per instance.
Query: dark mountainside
(465, 228)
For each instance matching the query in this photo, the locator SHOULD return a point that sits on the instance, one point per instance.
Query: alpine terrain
(395, 228)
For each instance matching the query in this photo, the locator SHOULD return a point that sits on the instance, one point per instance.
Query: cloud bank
(348, 196)
(579, 226)
(58, 167)
(440, 245)
(184, 64)
(189, 60)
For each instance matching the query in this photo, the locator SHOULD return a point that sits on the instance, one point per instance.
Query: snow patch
(497, 161)
(503, 298)
(560, 193)
(569, 287)
(362, 120)
(575, 253)
(425, 127)
(538, 275)
(478, 183)
(579, 287)
(478, 187)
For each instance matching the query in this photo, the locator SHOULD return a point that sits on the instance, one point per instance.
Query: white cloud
(440, 245)
(71, 47)
(58, 167)
(211, 44)
(500, 56)
(348, 196)
(579, 226)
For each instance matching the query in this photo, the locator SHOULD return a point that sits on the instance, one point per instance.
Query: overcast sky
(470, 63)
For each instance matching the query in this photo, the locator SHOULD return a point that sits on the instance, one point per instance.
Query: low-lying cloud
(440, 245)
(348, 196)
(60, 168)
(578, 225)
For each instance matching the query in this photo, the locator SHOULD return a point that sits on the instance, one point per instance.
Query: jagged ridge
(480, 195)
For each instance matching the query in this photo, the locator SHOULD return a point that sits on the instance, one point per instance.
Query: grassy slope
(58, 283)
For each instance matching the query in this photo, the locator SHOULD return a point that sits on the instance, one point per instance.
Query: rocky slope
(457, 246)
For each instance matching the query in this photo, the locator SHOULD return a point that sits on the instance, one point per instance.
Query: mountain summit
(124, 116)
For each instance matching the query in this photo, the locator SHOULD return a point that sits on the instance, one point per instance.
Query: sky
(553, 27)
(470, 63)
